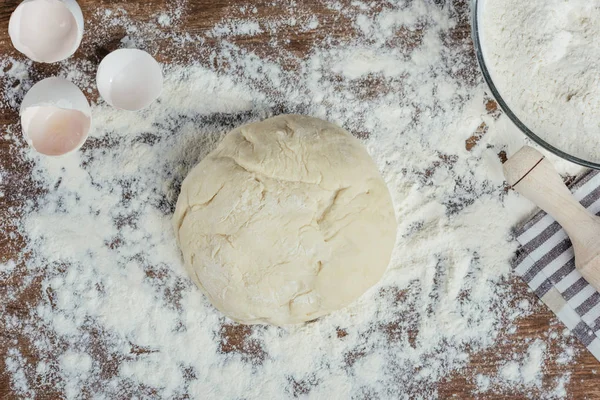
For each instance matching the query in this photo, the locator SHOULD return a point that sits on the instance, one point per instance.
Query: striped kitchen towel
(546, 262)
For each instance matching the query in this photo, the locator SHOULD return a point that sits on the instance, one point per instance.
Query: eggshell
(129, 79)
(57, 92)
(47, 30)
(55, 117)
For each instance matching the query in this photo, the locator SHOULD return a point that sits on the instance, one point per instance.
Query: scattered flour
(511, 372)
(524, 371)
(531, 370)
(483, 383)
(237, 28)
(112, 313)
(7, 268)
(566, 356)
(543, 57)
(164, 20)
(560, 391)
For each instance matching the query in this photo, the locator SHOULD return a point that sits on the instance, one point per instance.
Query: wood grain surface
(198, 18)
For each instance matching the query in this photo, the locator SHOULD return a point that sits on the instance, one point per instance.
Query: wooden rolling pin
(530, 174)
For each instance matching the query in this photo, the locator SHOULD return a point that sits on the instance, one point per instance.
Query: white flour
(112, 313)
(544, 58)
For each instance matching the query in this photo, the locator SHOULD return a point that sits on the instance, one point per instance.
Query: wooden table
(199, 17)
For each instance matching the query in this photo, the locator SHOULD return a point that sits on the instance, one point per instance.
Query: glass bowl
(475, 32)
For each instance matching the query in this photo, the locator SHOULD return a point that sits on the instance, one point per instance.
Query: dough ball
(287, 220)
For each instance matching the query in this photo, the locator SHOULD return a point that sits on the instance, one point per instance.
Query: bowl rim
(475, 35)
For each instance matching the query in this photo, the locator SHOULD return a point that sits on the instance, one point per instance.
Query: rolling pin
(532, 175)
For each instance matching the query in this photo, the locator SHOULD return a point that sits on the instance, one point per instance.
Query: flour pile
(111, 312)
(543, 57)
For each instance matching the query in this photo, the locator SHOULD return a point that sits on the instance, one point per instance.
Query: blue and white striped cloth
(546, 263)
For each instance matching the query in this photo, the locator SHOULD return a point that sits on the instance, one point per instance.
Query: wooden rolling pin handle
(530, 174)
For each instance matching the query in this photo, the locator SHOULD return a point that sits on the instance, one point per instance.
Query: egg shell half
(57, 92)
(129, 79)
(55, 117)
(38, 22)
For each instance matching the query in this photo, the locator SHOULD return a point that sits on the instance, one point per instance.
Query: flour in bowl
(543, 56)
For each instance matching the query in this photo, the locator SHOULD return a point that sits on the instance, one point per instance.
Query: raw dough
(287, 220)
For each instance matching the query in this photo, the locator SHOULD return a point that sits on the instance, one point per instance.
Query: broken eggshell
(55, 117)
(129, 79)
(46, 30)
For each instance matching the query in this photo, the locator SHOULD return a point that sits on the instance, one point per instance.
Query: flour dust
(109, 309)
